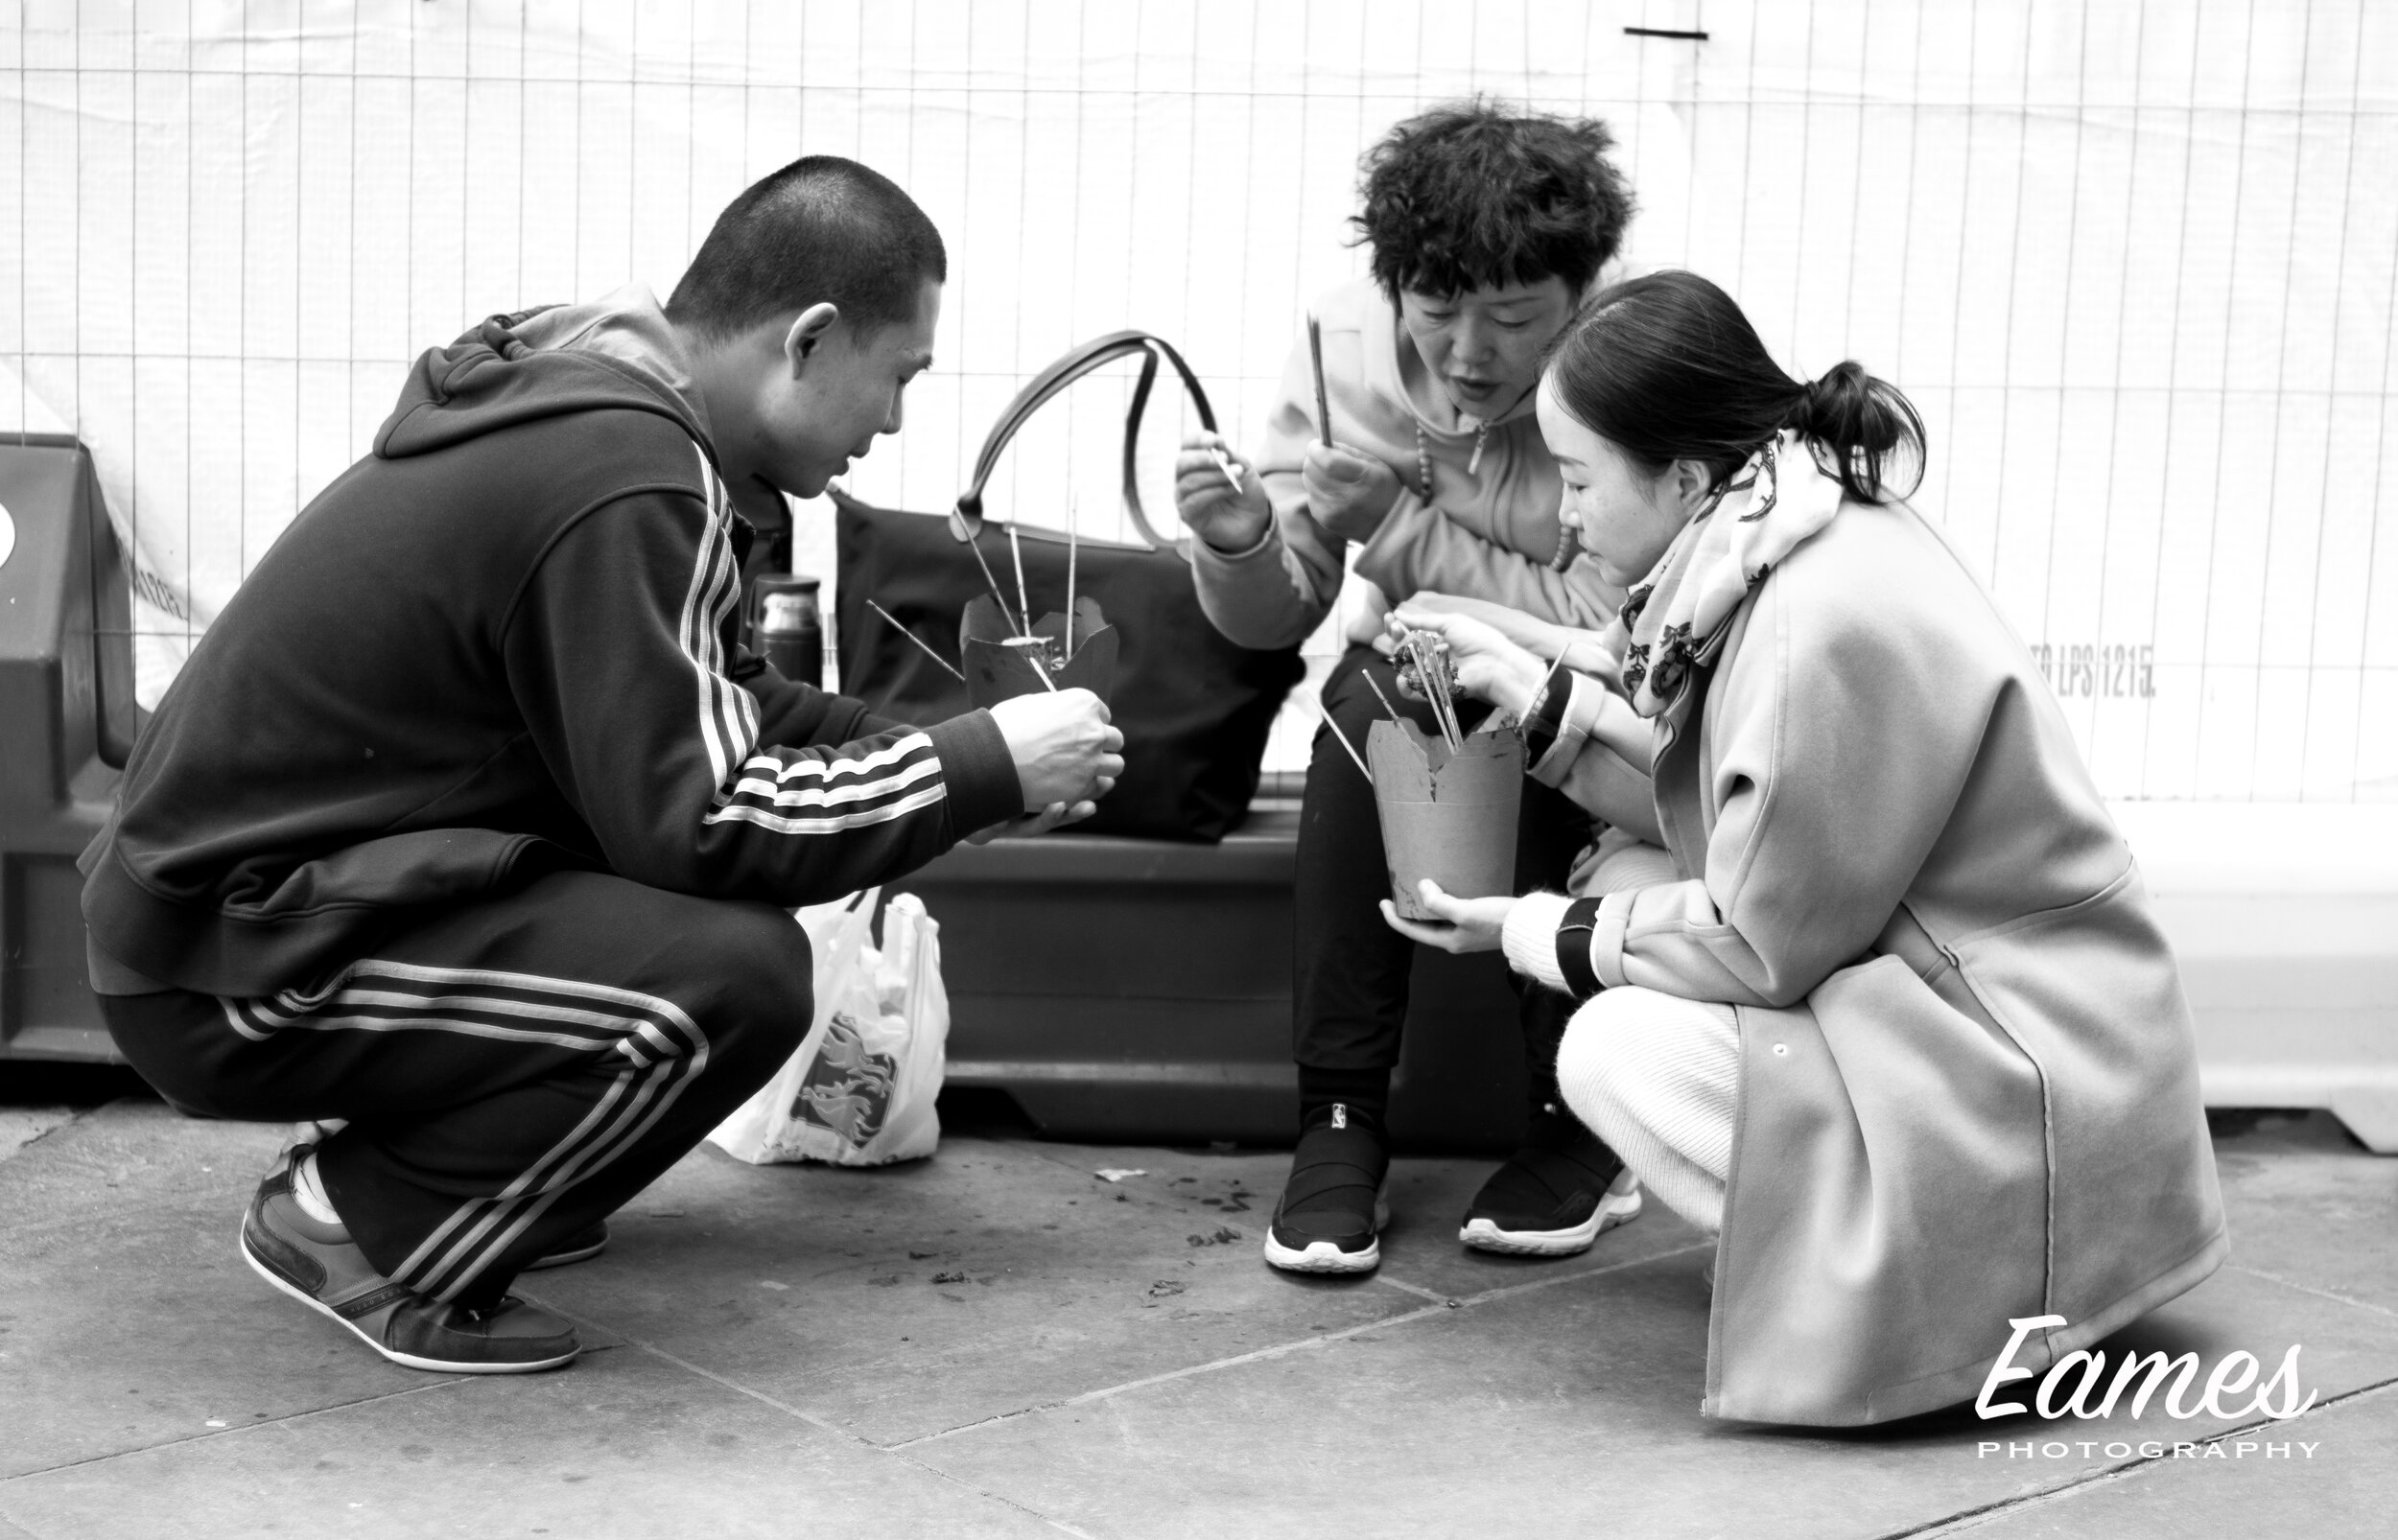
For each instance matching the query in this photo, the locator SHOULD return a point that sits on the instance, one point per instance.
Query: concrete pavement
(1002, 1341)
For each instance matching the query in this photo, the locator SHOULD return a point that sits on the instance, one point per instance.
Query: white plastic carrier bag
(859, 1089)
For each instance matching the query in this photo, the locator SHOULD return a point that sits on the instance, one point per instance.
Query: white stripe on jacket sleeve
(795, 797)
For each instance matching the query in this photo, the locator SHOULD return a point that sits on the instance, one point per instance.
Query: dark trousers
(512, 1069)
(1348, 969)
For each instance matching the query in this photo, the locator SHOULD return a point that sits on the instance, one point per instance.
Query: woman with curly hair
(1487, 227)
(1889, 1013)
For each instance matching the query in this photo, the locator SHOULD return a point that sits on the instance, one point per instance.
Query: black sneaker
(580, 1246)
(320, 1266)
(1332, 1214)
(1554, 1196)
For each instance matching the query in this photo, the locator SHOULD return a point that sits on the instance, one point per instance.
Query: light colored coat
(1969, 1085)
(1487, 532)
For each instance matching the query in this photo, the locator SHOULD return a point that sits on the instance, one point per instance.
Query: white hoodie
(1487, 532)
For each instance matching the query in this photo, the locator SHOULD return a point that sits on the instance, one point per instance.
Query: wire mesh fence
(2134, 261)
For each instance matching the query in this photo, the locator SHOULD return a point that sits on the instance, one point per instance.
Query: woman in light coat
(1889, 1011)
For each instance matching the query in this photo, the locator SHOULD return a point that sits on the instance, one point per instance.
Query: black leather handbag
(1194, 708)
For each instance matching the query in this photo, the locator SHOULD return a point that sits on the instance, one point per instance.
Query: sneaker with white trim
(1333, 1209)
(320, 1266)
(1554, 1196)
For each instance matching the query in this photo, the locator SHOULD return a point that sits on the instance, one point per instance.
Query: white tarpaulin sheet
(2134, 261)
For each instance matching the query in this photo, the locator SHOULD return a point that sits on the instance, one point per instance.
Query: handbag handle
(966, 520)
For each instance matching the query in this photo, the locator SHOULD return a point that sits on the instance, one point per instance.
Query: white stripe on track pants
(511, 1069)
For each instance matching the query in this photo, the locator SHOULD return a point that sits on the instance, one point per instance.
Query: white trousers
(1656, 1076)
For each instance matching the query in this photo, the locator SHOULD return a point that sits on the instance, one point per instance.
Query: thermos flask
(790, 627)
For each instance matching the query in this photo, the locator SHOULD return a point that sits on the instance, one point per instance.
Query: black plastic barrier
(1139, 990)
(67, 720)
(1116, 988)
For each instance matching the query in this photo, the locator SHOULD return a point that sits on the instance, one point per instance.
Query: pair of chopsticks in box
(1019, 619)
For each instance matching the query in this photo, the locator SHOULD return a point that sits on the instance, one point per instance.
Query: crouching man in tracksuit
(470, 823)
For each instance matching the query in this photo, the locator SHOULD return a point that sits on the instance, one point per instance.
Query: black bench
(1116, 989)
(1140, 990)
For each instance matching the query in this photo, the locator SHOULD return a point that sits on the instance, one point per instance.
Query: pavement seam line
(2308, 1287)
(1259, 1355)
(1990, 1513)
(834, 1430)
(847, 1437)
(739, 1389)
(228, 1432)
(1417, 1290)
(10, 1529)
(1443, 1305)
(1509, 1291)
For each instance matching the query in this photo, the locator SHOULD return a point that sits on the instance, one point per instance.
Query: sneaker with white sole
(1554, 1196)
(1333, 1209)
(320, 1266)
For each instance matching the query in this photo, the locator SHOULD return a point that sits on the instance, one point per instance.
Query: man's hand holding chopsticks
(1219, 496)
(1067, 756)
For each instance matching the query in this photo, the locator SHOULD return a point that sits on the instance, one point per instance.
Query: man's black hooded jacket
(505, 640)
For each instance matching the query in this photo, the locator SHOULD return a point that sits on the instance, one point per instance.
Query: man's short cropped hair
(1473, 195)
(820, 229)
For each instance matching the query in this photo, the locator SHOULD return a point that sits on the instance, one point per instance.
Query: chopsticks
(1355, 756)
(1423, 649)
(893, 622)
(1023, 600)
(1074, 514)
(996, 597)
(1323, 406)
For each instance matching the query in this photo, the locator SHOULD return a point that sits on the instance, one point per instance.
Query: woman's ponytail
(1866, 433)
(1666, 367)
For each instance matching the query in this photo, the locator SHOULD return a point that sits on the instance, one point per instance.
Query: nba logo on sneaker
(1340, 1115)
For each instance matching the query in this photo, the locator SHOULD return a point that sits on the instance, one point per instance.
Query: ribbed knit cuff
(1201, 551)
(1530, 938)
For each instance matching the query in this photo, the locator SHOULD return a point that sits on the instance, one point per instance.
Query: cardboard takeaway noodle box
(993, 653)
(1451, 817)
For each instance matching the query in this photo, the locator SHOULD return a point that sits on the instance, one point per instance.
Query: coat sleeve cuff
(1575, 711)
(979, 772)
(1607, 937)
(1530, 937)
(1250, 596)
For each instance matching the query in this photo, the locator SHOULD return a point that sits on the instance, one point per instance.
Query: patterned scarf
(1675, 621)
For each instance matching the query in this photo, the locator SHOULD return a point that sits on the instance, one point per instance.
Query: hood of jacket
(617, 352)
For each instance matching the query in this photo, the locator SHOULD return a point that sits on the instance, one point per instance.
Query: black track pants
(511, 1069)
(1348, 983)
